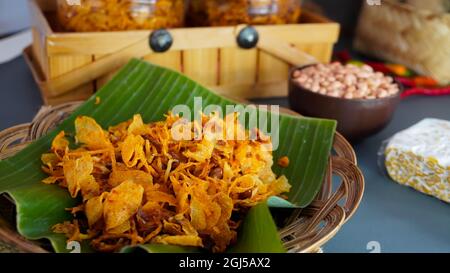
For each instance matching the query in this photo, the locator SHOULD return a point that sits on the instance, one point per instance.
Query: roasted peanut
(346, 81)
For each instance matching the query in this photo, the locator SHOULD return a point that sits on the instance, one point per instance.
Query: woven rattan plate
(305, 230)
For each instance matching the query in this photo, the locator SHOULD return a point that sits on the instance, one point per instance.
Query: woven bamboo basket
(403, 33)
(305, 230)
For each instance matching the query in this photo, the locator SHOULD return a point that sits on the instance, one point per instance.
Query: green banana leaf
(152, 91)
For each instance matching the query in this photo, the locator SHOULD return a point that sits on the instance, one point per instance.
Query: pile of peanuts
(346, 81)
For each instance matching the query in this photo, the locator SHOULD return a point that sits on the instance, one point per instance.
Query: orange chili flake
(283, 162)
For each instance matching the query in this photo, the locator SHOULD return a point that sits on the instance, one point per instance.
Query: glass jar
(114, 15)
(252, 12)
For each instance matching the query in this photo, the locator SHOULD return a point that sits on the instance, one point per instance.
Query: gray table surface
(399, 219)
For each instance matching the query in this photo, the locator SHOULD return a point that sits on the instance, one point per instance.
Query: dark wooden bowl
(357, 118)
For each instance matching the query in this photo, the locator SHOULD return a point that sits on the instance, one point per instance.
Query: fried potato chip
(204, 212)
(182, 191)
(228, 173)
(122, 203)
(90, 133)
(280, 185)
(119, 132)
(122, 228)
(154, 214)
(50, 160)
(94, 208)
(161, 197)
(223, 236)
(132, 150)
(226, 204)
(50, 180)
(249, 158)
(181, 240)
(198, 215)
(202, 151)
(78, 175)
(89, 187)
(186, 226)
(70, 229)
(137, 176)
(60, 143)
(137, 126)
(244, 183)
(172, 228)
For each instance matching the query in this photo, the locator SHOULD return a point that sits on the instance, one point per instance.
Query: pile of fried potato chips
(137, 184)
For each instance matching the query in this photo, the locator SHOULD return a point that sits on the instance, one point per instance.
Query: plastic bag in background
(381, 157)
(435, 6)
(419, 157)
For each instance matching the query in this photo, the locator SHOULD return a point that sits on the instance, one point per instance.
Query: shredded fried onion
(140, 185)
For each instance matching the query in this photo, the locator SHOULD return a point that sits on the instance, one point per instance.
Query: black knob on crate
(160, 40)
(248, 37)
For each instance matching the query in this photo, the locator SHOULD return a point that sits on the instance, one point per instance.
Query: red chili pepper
(379, 67)
(425, 81)
(426, 91)
(406, 81)
(399, 70)
(343, 56)
(417, 81)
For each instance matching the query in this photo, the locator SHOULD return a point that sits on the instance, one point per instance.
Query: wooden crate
(71, 66)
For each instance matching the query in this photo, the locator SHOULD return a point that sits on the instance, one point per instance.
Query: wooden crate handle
(248, 38)
(285, 51)
(90, 72)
